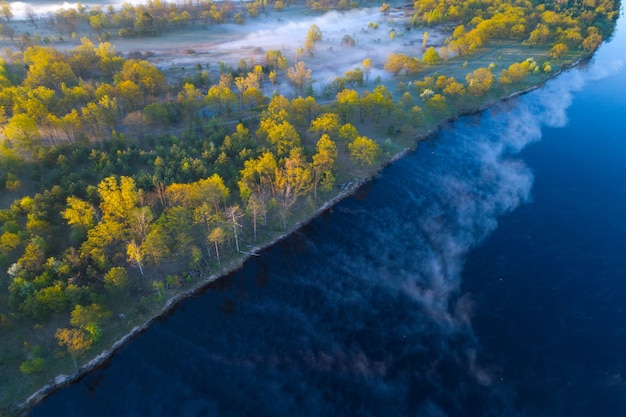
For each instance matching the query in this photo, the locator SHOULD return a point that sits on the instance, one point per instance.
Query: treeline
(115, 203)
(117, 209)
(154, 18)
(108, 211)
(575, 24)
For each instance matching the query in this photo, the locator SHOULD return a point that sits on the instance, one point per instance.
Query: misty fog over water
(482, 275)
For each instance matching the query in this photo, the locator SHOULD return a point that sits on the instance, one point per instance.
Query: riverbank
(101, 359)
(403, 111)
(61, 381)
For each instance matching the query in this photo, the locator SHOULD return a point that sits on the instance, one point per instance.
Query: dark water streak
(480, 276)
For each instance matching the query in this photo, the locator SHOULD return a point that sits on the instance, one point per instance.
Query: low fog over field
(375, 36)
(41, 8)
(331, 56)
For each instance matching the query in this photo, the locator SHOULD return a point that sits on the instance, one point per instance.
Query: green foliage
(42, 303)
(116, 280)
(159, 287)
(431, 56)
(313, 35)
(35, 365)
(84, 316)
(364, 150)
(89, 319)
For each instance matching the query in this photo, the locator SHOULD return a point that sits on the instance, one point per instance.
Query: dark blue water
(484, 275)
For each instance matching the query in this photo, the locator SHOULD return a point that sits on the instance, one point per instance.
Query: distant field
(178, 51)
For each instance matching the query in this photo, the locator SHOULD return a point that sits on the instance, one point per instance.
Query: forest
(122, 185)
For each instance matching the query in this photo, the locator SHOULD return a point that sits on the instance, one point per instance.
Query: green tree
(431, 56)
(99, 23)
(593, 39)
(364, 150)
(221, 99)
(257, 179)
(437, 104)
(144, 24)
(130, 95)
(354, 77)
(79, 213)
(70, 124)
(217, 237)
(454, 89)
(348, 133)
(256, 207)
(214, 190)
(36, 104)
(377, 104)
(406, 101)
(155, 244)
(313, 35)
(34, 365)
(281, 136)
(47, 300)
(417, 115)
(90, 319)
(323, 160)
(49, 71)
(144, 74)
(395, 63)
(110, 61)
(116, 280)
(118, 198)
(22, 131)
(327, 123)
(34, 254)
(347, 102)
(559, 50)
(292, 181)
(540, 35)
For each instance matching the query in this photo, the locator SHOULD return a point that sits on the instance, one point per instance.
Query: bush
(116, 279)
(32, 366)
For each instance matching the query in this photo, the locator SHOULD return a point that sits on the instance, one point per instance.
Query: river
(483, 275)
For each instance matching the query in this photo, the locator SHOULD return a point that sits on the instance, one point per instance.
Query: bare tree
(217, 236)
(299, 75)
(31, 15)
(233, 214)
